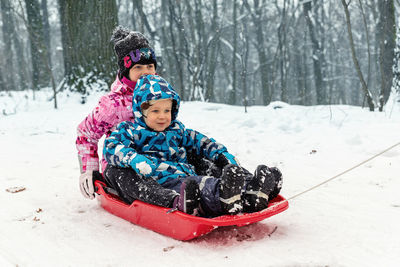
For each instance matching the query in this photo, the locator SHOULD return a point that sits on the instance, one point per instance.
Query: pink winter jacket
(113, 108)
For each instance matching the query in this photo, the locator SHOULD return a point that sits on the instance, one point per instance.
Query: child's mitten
(225, 159)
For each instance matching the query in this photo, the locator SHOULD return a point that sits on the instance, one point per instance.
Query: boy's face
(138, 70)
(158, 115)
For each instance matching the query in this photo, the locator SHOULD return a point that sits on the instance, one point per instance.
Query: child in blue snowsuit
(153, 150)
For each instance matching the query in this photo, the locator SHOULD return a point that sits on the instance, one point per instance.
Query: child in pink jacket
(135, 58)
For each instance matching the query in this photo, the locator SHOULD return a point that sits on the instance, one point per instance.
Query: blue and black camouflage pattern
(159, 155)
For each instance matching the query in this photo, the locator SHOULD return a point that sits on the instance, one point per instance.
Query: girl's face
(158, 115)
(138, 70)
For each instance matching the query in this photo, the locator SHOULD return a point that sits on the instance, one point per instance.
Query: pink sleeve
(91, 129)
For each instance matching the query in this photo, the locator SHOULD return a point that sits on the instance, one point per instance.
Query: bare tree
(387, 30)
(257, 17)
(295, 51)
(244, 56)
(317, 55)
(21, 73)
(367, 37)
(7, 28)
(367, 93)
(46, 28)
(281, 51)
(34, 24)
(39, 54)
(396, 65)
(213, 45)
(179, 49)
(2, 83)
(232, 92)
(138, 5)
(199, 51)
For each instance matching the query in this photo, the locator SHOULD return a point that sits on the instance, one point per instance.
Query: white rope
(344, 172)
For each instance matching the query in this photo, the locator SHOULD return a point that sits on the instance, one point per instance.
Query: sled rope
(344, 172)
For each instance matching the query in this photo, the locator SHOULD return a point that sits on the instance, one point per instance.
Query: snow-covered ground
(351, 221)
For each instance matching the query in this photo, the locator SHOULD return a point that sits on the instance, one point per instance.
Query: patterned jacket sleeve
(89, 132)
(119, 151)
(207, 147)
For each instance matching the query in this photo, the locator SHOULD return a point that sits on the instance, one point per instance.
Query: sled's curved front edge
(155, 218)
(177, 224)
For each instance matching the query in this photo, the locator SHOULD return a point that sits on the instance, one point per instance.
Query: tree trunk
(282, 52)
(23, 74)
(232, 92)
(375, 77)
(185, 47)
(134, 17)
(201, 52)
(88, 54)
(367, 39)
(299, 72)
(316, 56)
(139, 7)
(177, 48)
(165, 46)
(256, 15)
(2, 83)
(387, 29)
(396, 65)
(355, 60)
(262, 56)
(244, 55)
(8, 81)
(46, 29)
(39, 53)
(214, 47)
(19, 74)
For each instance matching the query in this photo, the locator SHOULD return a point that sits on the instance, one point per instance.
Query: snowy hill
(350, 221)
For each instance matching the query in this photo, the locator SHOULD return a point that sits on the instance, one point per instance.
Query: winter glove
(86, 184)
(225, 159)
(215, 168)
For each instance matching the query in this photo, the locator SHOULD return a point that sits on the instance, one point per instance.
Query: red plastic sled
(177, 224)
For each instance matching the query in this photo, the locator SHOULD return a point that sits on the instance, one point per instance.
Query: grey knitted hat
(131, 48)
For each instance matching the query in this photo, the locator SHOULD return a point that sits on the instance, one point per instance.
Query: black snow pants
(131, 186)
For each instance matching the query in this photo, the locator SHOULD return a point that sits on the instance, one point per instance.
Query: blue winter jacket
(159, 155)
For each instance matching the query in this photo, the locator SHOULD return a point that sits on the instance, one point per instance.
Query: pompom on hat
(131, 48)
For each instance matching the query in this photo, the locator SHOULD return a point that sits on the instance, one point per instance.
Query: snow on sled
(177, 224)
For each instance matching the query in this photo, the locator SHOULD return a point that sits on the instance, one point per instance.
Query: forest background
(249, 52)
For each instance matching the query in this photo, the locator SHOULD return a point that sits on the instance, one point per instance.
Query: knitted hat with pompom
(131, 48)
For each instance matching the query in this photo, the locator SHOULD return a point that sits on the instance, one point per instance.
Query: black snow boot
(259, 189)
(189, 197)
(230, 189)
(278, 182)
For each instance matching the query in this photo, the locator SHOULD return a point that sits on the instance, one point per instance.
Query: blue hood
(153, 87)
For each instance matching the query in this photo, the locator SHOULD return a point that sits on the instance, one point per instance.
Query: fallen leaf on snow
(168, 248)
(15, 189)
